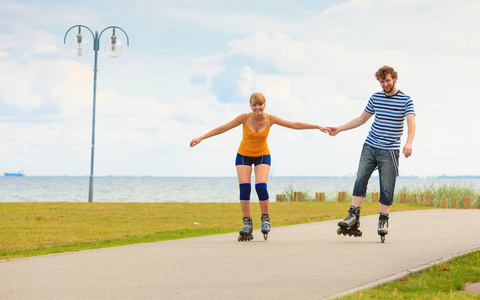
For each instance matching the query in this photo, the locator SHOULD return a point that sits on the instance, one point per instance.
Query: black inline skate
(246, 232)
(382, 227)
(351, 223)
(266, 225)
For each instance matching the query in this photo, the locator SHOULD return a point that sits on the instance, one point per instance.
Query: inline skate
(246, 232)
(266, 225)
(351, 223)
(382, 227)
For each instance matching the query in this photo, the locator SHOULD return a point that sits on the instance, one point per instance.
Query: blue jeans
(387, 163)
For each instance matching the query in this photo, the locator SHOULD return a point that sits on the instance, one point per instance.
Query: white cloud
(350, 8)
(344, 76)
(41, 49)
(316, 68)
(277, 48)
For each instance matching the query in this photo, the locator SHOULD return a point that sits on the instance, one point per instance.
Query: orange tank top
(254, 144)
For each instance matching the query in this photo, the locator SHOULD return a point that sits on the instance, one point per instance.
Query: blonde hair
(258, 98)
(384, 71)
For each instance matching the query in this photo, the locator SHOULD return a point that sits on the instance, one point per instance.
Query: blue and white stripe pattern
(390, 113)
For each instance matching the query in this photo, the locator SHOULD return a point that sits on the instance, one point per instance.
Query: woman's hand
(322, 129)
(195, 142)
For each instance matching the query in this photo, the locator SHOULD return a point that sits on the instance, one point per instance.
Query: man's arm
(407, 149)
(350, 125)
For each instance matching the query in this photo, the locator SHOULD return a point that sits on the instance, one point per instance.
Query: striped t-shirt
(390, 113)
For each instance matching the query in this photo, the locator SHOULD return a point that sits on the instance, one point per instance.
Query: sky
(191, 65)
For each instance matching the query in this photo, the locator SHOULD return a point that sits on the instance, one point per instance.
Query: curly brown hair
(384, 71)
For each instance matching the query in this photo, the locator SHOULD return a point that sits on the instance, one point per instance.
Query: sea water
(186, 189)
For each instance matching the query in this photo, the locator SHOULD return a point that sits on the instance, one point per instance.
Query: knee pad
(262, 191)
(245, 189)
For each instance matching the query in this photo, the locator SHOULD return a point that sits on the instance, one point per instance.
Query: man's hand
(407, 150)
(333, 131)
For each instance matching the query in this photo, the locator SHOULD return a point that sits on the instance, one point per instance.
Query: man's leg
(357, 201)
(385, 208)
(367, 164)
(388, 172)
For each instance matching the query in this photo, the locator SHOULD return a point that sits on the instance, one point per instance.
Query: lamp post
(79, 47)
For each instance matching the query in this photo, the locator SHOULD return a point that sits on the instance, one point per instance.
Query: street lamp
(79, 47)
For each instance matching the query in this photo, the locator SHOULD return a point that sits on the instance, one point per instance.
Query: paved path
(307, 261)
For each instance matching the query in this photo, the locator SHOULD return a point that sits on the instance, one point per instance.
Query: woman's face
(257, 108)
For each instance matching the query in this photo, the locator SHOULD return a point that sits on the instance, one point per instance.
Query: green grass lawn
(443, 281)
(31, 229)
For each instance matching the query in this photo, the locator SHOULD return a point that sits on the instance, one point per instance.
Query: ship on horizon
(19, 173)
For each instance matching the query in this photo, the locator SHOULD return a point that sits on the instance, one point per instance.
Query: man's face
(388, 84)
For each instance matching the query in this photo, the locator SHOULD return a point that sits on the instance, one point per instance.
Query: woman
(253, 150)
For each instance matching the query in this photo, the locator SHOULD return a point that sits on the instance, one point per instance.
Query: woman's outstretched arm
(241, 119)
(294, 125)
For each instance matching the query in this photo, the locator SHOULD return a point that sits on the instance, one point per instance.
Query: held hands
(333, 131)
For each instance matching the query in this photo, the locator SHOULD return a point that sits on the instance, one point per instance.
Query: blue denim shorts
(387, 163)
(249, 160)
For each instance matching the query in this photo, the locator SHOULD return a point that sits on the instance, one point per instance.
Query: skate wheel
(265, 236)
(339, 231)
(382, 238)
(350, 234)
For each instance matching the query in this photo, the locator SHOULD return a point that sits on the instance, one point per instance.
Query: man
(381, 149)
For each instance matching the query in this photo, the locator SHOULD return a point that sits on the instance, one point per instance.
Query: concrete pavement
(307, 261)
